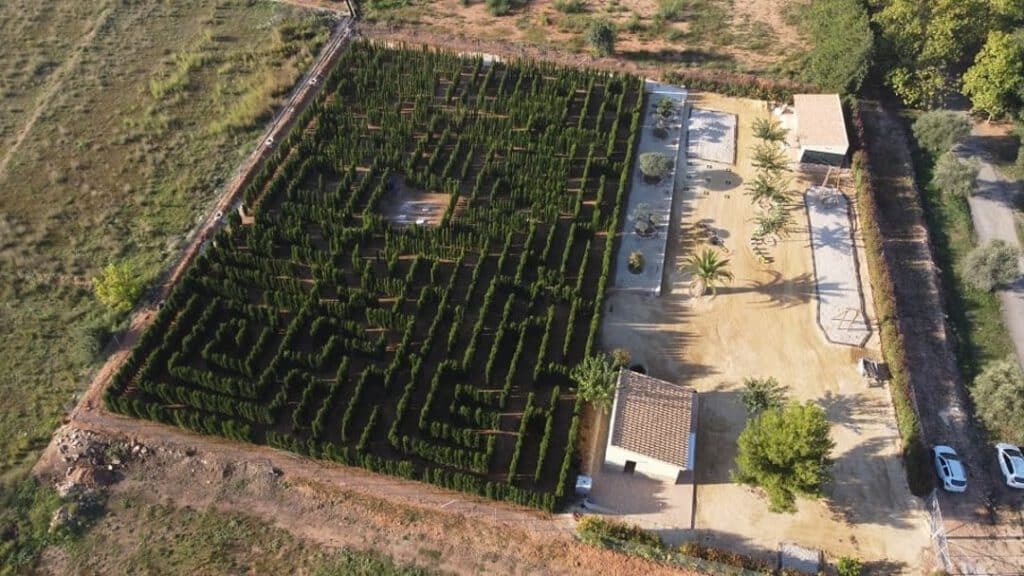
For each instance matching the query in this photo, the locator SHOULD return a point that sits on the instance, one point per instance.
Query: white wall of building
(615, 459)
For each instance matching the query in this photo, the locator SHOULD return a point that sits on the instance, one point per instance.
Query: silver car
(950, 468)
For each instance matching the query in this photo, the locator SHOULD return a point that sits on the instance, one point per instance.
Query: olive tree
(938, 131)
(998, 394)
(601, 36)
(955, 177)
(655, 165)
(992, 265)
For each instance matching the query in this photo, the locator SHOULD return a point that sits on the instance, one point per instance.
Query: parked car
(1011, 462)
(950, 468)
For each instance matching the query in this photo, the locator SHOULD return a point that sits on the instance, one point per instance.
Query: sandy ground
(763, 324)
(338, 507)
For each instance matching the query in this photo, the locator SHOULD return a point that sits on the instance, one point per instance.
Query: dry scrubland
(119, 121)
(758, 36)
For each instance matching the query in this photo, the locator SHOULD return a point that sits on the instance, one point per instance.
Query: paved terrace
(657, 196)
(840, 303)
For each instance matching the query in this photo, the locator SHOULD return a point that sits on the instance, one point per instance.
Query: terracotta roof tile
(653, 417)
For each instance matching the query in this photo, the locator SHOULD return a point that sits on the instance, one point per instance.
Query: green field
(344, 325)
(138, 125)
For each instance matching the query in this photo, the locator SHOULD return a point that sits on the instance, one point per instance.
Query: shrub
(596, 378)
(785, 451)
(847, 566)
(593, 529)
(665, 106)
(636, 262)
(655, 165)
(570, 6)
(954, 177)
(601, 36)
(992, 265)
(998, 394)
(760, 394)
(119, 286)
(938, 131)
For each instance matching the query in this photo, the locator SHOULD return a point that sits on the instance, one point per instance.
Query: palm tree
(768, 157)
(768, 189)
(769, 130)
(774, 222)
(709, 269)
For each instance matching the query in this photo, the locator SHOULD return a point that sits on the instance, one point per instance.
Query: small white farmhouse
(653, 429)
(820, 129)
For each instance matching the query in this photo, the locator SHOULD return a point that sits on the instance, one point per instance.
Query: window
(629, 467)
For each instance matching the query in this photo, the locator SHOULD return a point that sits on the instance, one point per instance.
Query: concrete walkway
(656, 197)
(992, 209)
(840, 303)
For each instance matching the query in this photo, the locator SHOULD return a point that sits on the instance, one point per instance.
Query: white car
(1011, 461)
(950, 468)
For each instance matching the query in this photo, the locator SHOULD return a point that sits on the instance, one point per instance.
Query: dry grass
(149, 117)
(746, 36)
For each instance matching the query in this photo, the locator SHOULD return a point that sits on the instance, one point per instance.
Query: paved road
(992, 209)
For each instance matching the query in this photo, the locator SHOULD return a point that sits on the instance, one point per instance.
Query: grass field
(135, 536)
(120, 121)
(342, 323)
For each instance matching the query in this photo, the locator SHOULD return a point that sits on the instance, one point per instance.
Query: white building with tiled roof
(654, 427)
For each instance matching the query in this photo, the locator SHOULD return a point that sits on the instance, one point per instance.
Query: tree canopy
(655, 165)
(938, 131)
(760, 394)
(998, 395)
(992, 265)
(596, 378)
(785, 451)
(955, 177)
(923, 41)
(119, 286)
(995, 83)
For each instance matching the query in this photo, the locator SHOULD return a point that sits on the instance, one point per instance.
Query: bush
(592, 529)
(938, 131)
(998, 395)
(954, 177)
(847, 566)
(760, 394)
(119, 286)
(636, 262)
(655, 165)
(596, 378)
(785, 451)
(992, 265)
(570, 6)
(601, 36)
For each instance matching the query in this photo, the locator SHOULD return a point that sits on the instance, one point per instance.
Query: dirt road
(993, 208)
(971, 538)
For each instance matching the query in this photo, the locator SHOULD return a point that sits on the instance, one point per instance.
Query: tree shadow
(785, 292)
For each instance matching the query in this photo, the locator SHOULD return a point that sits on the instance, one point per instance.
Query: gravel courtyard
(764, 324)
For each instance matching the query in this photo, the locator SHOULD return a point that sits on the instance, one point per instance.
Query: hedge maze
(435, 351)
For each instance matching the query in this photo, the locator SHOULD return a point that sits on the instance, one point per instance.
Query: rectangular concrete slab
(712, 136)
(840, 303)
